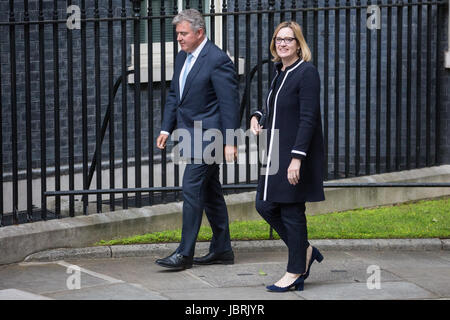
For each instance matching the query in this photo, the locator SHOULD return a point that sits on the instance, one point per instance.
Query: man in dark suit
(204, 90)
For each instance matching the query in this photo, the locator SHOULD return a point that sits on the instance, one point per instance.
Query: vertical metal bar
(270, 64)
(84, 108)
(378, 101)
(282, 10)
(1, 146)
(259, 53)
(259, 64)
(176, 166)
(336, 89)
(437, 134)
(98, 106)
(212, 11)
(419, 84)
(28, 113)
(398, 94)
(294, 13)
(325, 87)
(123, 30)
(56, 108)
(388, 86)
(137, 99)
(12, 55)
(236, 66)
(111, 106)
(358, 89)
(368, 85)
(269, 36)
(224, 48)
(248, 84)
(151, 154)
(70, 117)
(305, 19)
(163, 93)
(428, 90)
(315, 33)
(347, 89)
(408, 88)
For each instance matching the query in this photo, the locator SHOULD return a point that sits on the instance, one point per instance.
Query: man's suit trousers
(202, 191)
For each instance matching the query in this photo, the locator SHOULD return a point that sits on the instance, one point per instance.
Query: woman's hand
(254, 126)
(293, 173)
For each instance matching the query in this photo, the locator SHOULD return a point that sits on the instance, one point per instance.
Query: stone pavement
(346, 273)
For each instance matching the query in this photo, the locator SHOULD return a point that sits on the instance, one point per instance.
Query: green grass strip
(421, 219)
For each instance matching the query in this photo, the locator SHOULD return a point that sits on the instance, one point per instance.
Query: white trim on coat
(299, 152)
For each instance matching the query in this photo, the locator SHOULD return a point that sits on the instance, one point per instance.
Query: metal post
(137, 99)
(447, 54)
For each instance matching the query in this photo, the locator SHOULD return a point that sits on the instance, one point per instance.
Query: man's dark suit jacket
(210, 94)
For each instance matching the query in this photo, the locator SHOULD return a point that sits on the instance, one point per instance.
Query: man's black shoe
(175, 261)
(226, 257)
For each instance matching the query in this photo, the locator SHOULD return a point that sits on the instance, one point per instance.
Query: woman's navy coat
(296, 114)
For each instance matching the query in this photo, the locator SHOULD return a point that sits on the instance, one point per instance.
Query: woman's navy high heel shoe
(298, 284)
(316, 255)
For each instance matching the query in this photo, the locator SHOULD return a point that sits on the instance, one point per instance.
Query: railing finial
(136, 6)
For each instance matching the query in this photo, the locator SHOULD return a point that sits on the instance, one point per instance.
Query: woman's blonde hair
(304, 51)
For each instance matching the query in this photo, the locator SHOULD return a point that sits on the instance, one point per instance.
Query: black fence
(77, 119)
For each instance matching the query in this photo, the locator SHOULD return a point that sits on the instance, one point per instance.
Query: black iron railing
(58, 85)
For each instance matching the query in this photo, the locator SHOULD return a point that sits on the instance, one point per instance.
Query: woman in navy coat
(292, 119)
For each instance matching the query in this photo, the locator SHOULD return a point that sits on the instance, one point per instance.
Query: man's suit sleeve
(309, 104)
(225, 84)
(170, 110)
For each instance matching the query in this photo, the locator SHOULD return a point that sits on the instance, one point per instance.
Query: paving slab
(236, 293)
(422, 259)
(42, 278)
(240, 275)
(429, 270)
(117, 291)
(398, 290)
(15, 294)
(345, 267)
(144, 271)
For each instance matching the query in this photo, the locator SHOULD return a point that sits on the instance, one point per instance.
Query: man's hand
(293, 173)
(161, 141)
(254, 126)
(230, 153)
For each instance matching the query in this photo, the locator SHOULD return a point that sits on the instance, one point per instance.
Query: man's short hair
(194, 17)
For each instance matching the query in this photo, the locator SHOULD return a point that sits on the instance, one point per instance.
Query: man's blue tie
(185, 73)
